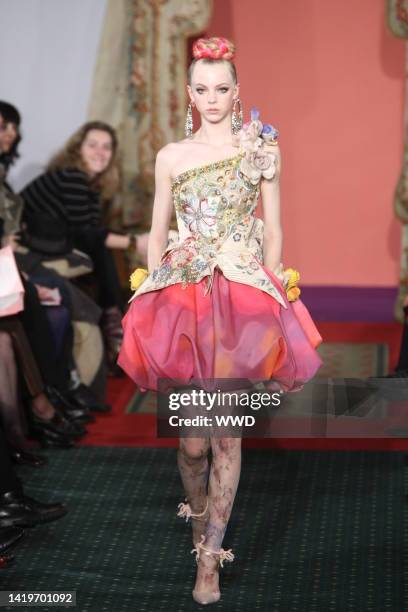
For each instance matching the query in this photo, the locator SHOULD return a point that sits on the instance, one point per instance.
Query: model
(216, 304)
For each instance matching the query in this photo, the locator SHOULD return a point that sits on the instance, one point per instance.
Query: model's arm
(162, 209)
(270, 193)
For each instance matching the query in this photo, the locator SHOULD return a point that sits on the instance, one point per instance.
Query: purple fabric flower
(269, 130)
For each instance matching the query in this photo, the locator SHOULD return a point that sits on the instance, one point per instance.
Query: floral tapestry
(140, 88)
(398, 17)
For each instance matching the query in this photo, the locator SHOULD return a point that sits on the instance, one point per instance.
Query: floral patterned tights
(222, 477)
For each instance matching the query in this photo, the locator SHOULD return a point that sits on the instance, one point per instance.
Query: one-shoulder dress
(211, 309)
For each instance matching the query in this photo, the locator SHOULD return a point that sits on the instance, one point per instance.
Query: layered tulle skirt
(236, 331)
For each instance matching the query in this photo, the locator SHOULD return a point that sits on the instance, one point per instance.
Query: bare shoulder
(164, 161)
(165, 153)
(171, 152)
(175, 155)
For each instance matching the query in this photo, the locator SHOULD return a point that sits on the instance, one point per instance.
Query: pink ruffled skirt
(235, 331)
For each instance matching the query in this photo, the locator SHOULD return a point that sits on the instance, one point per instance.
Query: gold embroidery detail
(204, 169)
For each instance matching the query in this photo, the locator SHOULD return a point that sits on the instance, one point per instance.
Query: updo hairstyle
(210, 50)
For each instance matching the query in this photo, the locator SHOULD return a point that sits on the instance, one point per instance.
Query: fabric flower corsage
(137, 278)
(256, 161)
(292, 278)
(289, 279)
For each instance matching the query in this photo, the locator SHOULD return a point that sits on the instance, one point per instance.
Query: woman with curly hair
(79, 181)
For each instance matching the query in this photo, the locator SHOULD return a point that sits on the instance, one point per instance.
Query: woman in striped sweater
(78, 181)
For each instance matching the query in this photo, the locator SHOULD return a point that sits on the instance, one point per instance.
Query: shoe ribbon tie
(224, 555)
(185, 511)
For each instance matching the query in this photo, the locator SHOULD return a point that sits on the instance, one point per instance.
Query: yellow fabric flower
(138, 277)
(292, 277)
(293, 294)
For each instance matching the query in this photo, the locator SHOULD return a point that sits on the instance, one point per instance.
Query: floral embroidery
(231, 216)
(181, 258)
(204, 170)
(199, 216)
(161, 273)
(215, 208)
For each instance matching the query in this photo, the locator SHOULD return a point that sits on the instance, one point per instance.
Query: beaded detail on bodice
(215, 209)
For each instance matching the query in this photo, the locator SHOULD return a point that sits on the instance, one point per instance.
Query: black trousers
(54, 367)
(92, 242)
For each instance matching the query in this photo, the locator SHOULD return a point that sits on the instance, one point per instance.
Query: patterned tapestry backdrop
(140, 88)
(398, 23)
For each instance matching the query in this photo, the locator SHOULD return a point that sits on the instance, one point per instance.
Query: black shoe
(85, 398)
(80, 417)
(59, 424)
(24, 457)
(9, 536)
(50, 439)
(19, 510)
(59, 399)
(69, 408)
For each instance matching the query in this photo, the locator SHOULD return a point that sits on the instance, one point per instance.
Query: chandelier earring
(237, 116)
(188, 127)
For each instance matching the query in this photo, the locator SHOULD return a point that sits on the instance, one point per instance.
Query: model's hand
(48, 296)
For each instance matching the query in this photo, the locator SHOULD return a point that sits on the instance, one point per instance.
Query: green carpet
(311, 531)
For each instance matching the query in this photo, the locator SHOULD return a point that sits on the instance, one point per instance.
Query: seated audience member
(78, 181)
(49, 325)
(54, 360)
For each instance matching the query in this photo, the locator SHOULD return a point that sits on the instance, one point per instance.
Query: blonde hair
(108, 181)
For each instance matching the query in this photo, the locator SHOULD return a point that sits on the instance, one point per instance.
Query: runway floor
(311, 531)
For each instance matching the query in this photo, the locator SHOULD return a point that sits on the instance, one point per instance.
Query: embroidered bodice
(215, 210)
